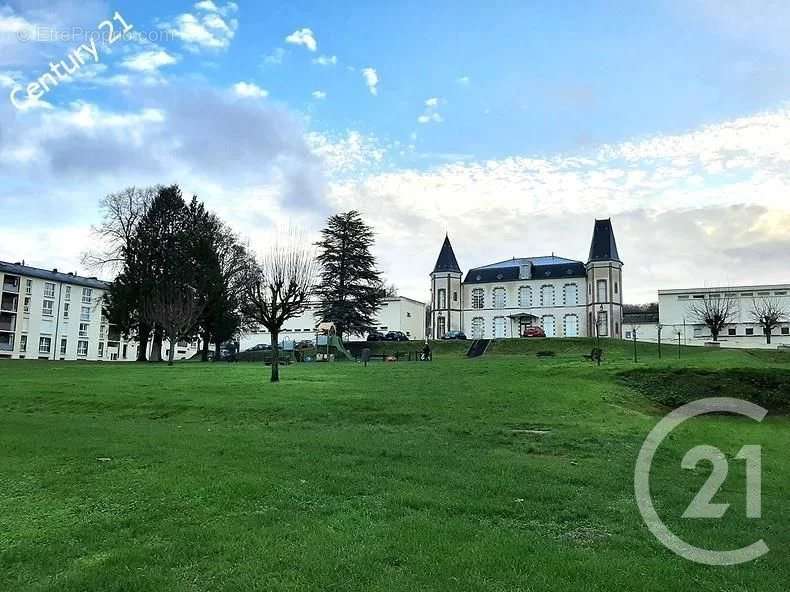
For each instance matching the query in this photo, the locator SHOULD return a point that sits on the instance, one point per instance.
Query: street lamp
(660, 326)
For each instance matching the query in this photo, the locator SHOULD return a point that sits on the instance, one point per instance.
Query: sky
(509, 125)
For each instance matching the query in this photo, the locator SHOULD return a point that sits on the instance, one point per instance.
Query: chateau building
(565, 297)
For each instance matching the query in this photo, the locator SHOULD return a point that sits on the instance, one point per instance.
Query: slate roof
(52, 275)
(542, 268)
(446, 260)
(603, 246)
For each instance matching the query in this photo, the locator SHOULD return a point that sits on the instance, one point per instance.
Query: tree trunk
(217, 347)
(156, 346)
(171, 354)
(768, 336)
(275, 357)
(204, 353)
(715, 335)
(143, 332)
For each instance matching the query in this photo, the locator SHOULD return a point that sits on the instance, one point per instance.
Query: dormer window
(525, 271)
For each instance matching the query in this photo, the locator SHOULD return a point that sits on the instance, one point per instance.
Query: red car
(533, 332)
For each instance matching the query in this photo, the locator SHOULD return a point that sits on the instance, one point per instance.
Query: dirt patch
(769, 388)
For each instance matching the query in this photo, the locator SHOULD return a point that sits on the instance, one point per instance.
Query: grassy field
(505, 472)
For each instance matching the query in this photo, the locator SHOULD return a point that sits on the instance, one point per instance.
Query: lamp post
(633, 331)
(679, 334)
(660, 326)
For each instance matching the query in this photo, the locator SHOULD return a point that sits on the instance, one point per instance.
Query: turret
(446, 294)
(604, 283)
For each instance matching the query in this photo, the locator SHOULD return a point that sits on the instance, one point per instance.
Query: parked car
(454, 335)
(534, 332)
(375, 336)
(260, 347)
(396, 336)
(305, 344)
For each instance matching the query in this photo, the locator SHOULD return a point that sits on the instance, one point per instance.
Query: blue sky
(481, 119)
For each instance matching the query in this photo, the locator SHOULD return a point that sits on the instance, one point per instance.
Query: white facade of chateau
(48, 315)
(567, 298)
(396, 314)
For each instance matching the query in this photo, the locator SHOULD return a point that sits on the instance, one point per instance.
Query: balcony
(6, 342)
(11, 284)
(8, 303)
(7, 322)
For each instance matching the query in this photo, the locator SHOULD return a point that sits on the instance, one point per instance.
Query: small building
(676, 316)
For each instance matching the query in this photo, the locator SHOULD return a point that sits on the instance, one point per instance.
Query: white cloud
(431, 115)
(250, 90)
(149, 61)
(371, 80)
(319, 94)
(432, 102)
(276, 57)
(211, 28)
(463, 80)
(325, 60)
(303, 37)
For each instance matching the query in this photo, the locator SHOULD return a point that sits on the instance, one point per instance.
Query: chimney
(54, 270)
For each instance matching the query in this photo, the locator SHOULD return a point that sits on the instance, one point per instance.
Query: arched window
(602, 296)
(441, 298)
(547, 296)
(570, 294)
(478, 298)
(478, 328)
(500, 298)
(525, 296)
(549, 325)
(499, 327)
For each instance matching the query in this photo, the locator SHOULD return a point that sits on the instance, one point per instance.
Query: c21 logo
(701, 506)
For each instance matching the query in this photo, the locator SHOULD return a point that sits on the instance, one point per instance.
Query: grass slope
(505, 472)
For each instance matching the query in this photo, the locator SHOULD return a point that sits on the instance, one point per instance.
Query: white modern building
(566, 297)
(676, 317)
(396, 314)
(49, 315)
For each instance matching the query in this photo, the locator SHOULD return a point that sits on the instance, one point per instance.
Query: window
(101, 350)
(44, 344)
(82, 348)
(628, 335)
(782, 293)
(500, 298)
(750, 331)
(683, 297)
(478, 327)
(547, 296)
(603, 322)
(63, 345)
(28, 286)
(23, 342)
(83, 330)
(615, 287)
(524, 271)
(478, 298)
(571, 325)
(86, 295)
(85, 315)
(601, 291)
(441, 327)
(65, 310)
(49, 290)
(525, 296)
(455, 296)
(499, 327)
(731, 331)
(46, 307)
(441, 301)
(570, 295)
(67, 295)
(26, 305)
(549, 325)
(785, 330)
(103, 331)
(697, 331)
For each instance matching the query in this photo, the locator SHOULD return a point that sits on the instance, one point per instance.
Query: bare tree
(769, 314)
(175, 307)
(121, 213)
(277, 288)
(714, 310)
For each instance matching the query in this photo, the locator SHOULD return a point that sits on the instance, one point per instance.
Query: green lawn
(398, 476)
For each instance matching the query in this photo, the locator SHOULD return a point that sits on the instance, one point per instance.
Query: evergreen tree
(350, 285)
